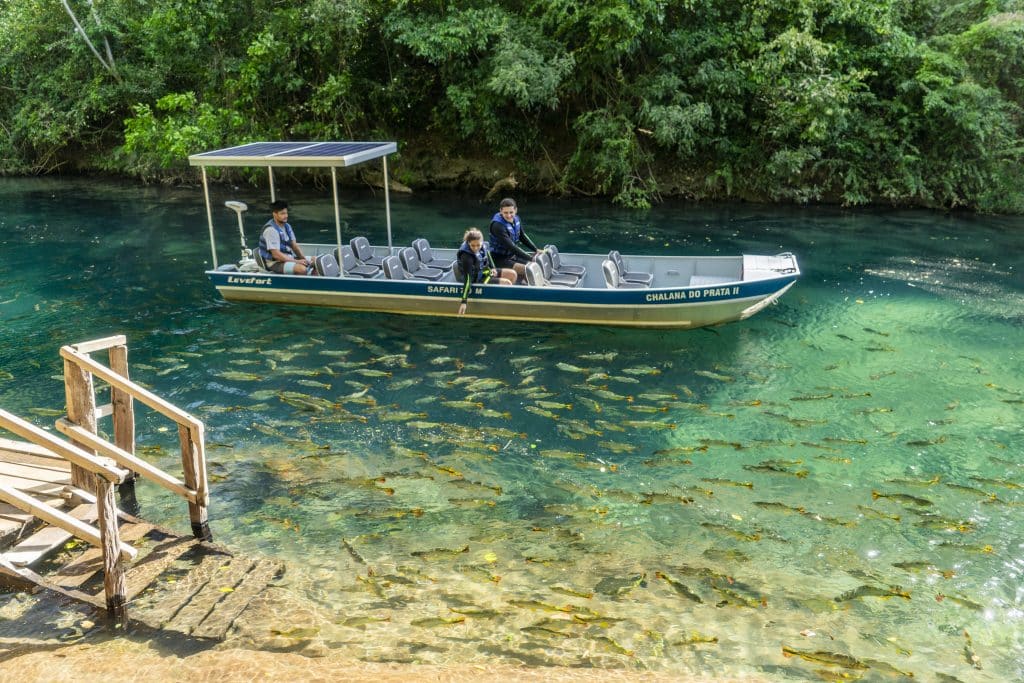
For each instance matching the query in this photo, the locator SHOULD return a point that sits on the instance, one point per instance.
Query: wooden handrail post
(81, 405)
(124, 422)
(114, 583)
(193, 464)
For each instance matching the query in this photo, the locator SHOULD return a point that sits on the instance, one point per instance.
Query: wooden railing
(116, 464)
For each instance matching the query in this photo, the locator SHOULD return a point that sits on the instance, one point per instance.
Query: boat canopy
(283, 154)
(295, 154)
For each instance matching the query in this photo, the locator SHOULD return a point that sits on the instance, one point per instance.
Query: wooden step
(224, 613)
(142, 574)
(78, 571)
(46, 540)
(157, 606)
(201, 604)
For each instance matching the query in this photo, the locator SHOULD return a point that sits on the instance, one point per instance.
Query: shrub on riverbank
(857, 101)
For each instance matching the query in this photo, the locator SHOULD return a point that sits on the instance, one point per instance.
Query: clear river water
(831, 490)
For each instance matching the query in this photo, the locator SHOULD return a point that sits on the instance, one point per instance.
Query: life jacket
(287, 237)
(513, 230)
(481, 264)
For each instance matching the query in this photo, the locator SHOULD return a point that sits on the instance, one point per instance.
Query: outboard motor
(246, 264)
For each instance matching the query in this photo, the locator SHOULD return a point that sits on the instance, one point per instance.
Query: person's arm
(499, 233)
(466, 266)
(299, 256)
(525, 239)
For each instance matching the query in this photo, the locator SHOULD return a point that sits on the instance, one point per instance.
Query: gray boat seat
(544, 259)
(364, 252)
(260, 261)
(393, 269)
(353, 268)
(535, 276)
(412, 265)
(644, 279)
(612, 279)
(427, 258)
(563, 268)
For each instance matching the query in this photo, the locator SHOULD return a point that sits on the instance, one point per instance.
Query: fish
(695, 638)
(430, 622)
(728, 482)
(610, 645)
(623, 380)
(997, 482)
(554, 405)
(620, 585)
(729, 531)
(873, 591)
(370, 372)
(434, 347)
(878, 514)
(609, 426)
(825, 657)
(439, 553)
(238, 376)
(970, 655)
(652, 396)
(313, 383)
(540, 411)
(679, 587)
(537, 604)
(638, 408)
(775, 468)
(572, 592)
(927, 442)
(403, 384)
(463, 405)
(567, 367)
(476, 613)
(611, 395)
(609, 356)
(617, 447)
(714, 375)
(811, 397)
(649, 424)
(902, 498)
(642, 370)
(360, 621)
(873, 331)
(401, 416)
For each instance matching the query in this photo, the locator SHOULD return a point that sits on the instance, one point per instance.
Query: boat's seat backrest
(393, 269)
(350, 266)
(410, 259)
(611, 273)
(427, 257)
(260, 261)
(363, 251)
(348, 259)
(636, 277)
(554, 278)
(556, 263)
(535, 275)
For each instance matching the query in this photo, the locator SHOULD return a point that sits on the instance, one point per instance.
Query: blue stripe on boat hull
(669, 308)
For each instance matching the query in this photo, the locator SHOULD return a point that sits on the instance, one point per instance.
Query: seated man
(278, 246)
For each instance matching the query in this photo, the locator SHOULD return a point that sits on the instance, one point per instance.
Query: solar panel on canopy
(295, 154)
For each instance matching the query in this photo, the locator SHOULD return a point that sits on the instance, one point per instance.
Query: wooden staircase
(53, 490)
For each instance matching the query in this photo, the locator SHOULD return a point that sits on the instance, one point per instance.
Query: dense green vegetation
(857, 101)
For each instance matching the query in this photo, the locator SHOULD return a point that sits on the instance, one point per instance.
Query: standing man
(278, 246)
(506, 237)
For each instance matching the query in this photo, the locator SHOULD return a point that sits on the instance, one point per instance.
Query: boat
(599, 289)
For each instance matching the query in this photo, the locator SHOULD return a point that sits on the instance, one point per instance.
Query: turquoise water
(842, 473)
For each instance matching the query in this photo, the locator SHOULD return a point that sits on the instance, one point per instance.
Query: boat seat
(412, 265)
(259, 260)
(629, 276)
(612, 279)
(427, 258)
(353, 268)
(535, 277)
(708, 280)
(364, 252)
(563, 268)
(393, 269)
(544, 259)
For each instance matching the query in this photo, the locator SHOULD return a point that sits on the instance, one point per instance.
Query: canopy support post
(270, 174)
(387, 201)
(209, 218)
(337, 216)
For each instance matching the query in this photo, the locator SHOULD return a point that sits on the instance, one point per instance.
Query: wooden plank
(221, 584)
(47, 473)
(80, 398)
(143, 573)
(79, 570)
(76, 455)
(43, 542)
(25, 447)
(126, 459)
(217, 623)
(113, 564)
(58, 518)
(158, 607)
(100, 344)
(194, 470)
(118, 382)
(121, 402)
(41, 581)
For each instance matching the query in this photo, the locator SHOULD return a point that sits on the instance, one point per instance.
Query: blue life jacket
(482, 263)
(513, 230)
(287, 237)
